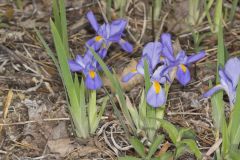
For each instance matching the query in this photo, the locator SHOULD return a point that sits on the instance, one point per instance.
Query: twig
(27, 122)
(184, 113)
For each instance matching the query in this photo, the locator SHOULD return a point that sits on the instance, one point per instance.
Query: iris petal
(129, 76)
(183, 75)
(232, 70)
(93, 83)
(212, 91)
(103, 53)
(91, 41)
(181, 57)
(156, 99)
(196, 57)
(140, 66)
(153, 50)
(126, 46)
(162, 78)
(117, 27)
(74, 67)
(167, 49)
(224, 80)
(91, 18)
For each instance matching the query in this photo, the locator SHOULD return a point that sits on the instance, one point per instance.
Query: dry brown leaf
(6, 106)
(7, 103)
(35, 111)
(60, 131)
(163, 149)
(61, 146)
(126, 86)
(6, 11)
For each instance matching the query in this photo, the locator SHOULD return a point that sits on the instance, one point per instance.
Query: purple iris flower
(151, 53)
(229, 77)
(86, 65)
(156, 94)
(107, 33)
(180, 62)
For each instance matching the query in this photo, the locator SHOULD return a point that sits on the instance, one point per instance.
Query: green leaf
(117, 113)
(62, 12)
(100, 113)
(157, 9)
(208, 13)
(151, 112)
(233, 154)
(170, 129)
(77, 85)
(218, 15)
(154, 146)
(217, 109)
(63, 61)
(75, 109)
(118, 88)
(59, 13)
(108, 9)
(180, 150)
(208, 5)
(92, 110)
(193, 147)
(138, 146)
(128, 158)
(233, 10)
(225, 138)
(81, 127)
(56, 15)
(186, 133)
(143, 106)
(146, 76)
(234, 124)
(220, 49)
(134, 113)
(49, 51)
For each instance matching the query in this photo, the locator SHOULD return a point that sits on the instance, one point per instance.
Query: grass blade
(193, 147)
(64, 36)
(68, 81)
(117, 86)
(234, 124)
(138, 146)
(157, 141)
(233, 11)
(108, 9)
(92, 110)
(170, 129)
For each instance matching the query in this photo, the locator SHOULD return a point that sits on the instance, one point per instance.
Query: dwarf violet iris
(151, 53)
(162, 63)
(229, 77)
(156, 94)
(87, 65)
(107, 33)
(180, 62)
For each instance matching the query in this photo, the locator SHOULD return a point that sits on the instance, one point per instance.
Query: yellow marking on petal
(183, 67)
(92, 74)
(156, 86)
(161, 58)
(133, 70)
(98, 38)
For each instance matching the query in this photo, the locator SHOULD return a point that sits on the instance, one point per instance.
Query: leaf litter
(37, 122)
